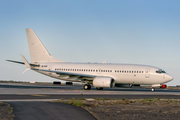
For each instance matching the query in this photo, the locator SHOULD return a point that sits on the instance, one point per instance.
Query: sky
(117, 31)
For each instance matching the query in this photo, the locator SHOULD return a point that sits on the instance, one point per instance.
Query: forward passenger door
(147, 73)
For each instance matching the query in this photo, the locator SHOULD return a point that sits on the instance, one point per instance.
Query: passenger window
(139, 71)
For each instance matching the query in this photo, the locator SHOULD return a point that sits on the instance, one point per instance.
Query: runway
(46, 92)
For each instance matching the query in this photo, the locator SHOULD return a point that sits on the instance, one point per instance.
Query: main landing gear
(87, 86)
(152, 89)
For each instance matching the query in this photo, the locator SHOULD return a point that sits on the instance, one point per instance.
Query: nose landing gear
(152, 89)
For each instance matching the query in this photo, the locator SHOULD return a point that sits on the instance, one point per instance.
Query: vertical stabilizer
(37, 50)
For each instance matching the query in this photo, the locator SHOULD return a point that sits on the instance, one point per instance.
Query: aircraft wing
(75, 76)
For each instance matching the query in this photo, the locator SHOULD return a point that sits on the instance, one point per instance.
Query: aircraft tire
(87, 87)
(152, 89)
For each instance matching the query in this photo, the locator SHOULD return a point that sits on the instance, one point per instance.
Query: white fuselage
(121, 73)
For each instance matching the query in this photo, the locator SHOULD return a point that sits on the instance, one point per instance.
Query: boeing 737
(100, 75)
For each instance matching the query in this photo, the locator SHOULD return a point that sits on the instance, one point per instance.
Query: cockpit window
(160, 71)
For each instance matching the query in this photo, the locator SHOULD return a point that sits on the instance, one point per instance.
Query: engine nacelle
(103, 82)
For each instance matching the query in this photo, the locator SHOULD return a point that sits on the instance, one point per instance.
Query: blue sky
(118, 31)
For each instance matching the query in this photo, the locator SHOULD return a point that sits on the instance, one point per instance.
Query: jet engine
(103, 82)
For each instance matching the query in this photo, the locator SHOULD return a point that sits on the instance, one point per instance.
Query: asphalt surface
(25, 91)
(23, 98)
(69, 96)
(49, 111)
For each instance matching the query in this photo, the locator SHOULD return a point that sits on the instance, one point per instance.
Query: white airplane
(99, 75)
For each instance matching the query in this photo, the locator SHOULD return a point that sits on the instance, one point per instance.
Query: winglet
(25, 62)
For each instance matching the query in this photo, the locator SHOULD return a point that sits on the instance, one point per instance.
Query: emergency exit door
(147, 73)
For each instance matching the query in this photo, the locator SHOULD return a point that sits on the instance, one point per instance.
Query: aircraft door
(50, 68)
(147, 73)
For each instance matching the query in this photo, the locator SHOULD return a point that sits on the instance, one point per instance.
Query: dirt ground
(6, 112)
(146, 109)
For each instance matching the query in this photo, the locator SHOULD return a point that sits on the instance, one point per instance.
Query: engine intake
(103, 82)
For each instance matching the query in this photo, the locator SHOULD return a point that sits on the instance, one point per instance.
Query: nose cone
(168, 78)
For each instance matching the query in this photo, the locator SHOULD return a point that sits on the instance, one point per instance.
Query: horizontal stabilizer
(34, 65)
(15, 61)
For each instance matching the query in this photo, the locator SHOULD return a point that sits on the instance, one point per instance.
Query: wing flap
(82, 77)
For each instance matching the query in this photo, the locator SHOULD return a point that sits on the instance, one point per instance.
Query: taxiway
(44, 92)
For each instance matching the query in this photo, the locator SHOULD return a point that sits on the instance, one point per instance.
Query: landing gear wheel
(87, 87)
(152, 89)
(130, 85)
(99, 88)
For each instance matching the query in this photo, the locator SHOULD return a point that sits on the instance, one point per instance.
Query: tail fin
(37, 50)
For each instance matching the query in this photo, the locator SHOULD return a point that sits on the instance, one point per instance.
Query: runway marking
(38, 95)
(20, 94)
